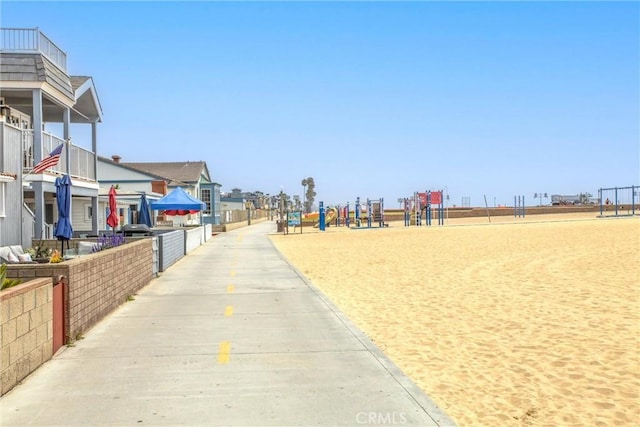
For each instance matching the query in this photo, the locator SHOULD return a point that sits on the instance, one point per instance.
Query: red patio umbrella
(112, 219)
(174, 212)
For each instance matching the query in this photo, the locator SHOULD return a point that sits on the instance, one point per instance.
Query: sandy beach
(532, 321)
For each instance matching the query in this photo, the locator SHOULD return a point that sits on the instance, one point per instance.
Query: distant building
(232, 207)
(559, 200)
(192, 176)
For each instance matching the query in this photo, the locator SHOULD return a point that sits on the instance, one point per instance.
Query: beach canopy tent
(178, 202)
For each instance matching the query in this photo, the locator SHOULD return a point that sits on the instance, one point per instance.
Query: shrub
(39, 251)
(107, 242)
(4, 282)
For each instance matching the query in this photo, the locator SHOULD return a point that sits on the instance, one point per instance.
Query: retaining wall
(236, 225)
(96, 283)
(26, 319)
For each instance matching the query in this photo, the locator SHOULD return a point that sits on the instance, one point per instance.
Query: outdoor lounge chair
(14, 255)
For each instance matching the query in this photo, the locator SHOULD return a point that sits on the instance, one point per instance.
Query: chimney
(159, 187)
(116, 158)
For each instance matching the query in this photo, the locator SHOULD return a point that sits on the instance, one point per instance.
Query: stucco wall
(193, 238)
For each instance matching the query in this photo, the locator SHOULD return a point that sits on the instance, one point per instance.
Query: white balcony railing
(82, 163)
(32, 40)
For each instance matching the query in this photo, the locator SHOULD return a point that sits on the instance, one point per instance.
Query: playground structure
(419, 209)
(321, 220)
(619, 201)
(374, 210)
(375, 213)
(330, 214)
(518, 206)
(342, 215)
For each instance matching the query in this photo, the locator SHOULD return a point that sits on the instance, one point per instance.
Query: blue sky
(371, 99)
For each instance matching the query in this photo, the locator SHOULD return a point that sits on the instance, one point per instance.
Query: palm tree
(304, 195)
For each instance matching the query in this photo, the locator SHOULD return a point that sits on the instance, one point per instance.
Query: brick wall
(96, 283)
(99, 283)
(26, 319)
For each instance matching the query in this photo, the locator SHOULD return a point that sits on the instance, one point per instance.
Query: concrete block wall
(33, 271)
(171, 248)
(26, 319)
(96, 283)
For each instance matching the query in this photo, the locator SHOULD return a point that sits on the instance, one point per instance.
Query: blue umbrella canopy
(144, 217)
(178, 202)
(63, 230)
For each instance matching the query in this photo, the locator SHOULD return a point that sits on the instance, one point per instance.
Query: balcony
(82, 160)
(32, 40)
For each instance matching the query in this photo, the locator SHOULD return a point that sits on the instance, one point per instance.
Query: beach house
(42, 107)
(130, 185)
(192, 176)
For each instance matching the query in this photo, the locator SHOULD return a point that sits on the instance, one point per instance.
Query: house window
(88, 212)
(3, 193)
(3, 186)
(205, 196)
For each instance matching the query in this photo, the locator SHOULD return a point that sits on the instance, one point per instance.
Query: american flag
(50, 161)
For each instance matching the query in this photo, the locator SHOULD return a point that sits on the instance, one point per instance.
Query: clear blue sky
(371, 99)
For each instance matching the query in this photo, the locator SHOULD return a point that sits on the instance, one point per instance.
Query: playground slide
(329, 216)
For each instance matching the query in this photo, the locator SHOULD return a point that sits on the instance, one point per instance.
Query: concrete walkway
(231, 335)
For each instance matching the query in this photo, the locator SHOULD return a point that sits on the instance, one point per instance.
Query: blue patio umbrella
(63, 230)
(144, 217)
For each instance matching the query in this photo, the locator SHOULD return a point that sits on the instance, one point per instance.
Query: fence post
(600, 197)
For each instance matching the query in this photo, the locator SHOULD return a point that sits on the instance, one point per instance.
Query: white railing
(32, 40)
(29, 227)
(47, 229)
(82, 162)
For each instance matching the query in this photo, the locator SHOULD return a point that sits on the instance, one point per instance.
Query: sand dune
(521, 322)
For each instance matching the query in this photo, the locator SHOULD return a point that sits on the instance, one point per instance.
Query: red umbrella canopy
(174, 212)
(112, 219)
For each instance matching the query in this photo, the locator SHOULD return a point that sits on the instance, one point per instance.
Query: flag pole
(65, 145)
(67, 150)
(43, 164)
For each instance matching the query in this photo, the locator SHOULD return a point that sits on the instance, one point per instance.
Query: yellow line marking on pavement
(228, 311)
(225, 352)
(231, 288)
